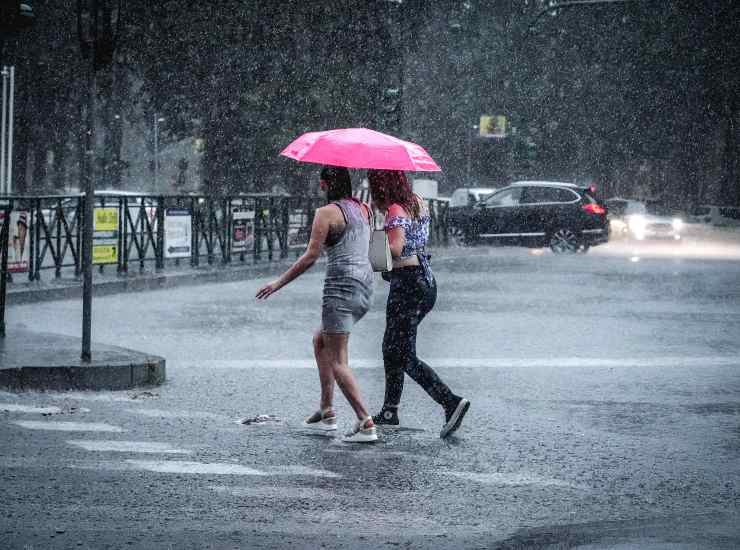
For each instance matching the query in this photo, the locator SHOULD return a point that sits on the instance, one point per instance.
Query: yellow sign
(106, 219)
(492, 126)
(105, 254)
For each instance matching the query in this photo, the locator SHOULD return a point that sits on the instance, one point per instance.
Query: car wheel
(462, 237)
(564, 241)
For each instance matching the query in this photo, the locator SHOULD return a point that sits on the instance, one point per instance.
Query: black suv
(563, 216)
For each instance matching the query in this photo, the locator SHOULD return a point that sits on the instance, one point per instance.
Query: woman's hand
(267, 290)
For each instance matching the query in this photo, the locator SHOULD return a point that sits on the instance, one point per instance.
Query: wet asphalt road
(606, 414)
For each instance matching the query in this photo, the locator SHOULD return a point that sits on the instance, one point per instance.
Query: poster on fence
(242, 229)
(18, 245)
(177, 232)
(105, 236)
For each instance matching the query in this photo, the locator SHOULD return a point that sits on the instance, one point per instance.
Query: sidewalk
(43, 361)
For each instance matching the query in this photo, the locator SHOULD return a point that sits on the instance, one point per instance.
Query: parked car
(468, 196)
(460, 199)
(716, 215)
(563, 216)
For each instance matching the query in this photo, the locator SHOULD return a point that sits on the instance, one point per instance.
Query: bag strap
(371, 218)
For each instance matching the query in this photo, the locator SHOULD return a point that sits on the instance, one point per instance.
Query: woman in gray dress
(342, 227)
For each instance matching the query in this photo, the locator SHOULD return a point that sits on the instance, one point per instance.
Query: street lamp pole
(97, 42)
(470, 151)
(157, 120)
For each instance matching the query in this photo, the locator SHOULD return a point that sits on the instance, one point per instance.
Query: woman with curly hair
(412, 296)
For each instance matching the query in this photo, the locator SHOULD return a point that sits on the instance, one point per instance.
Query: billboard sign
(178, 234)
(105, 236)
(242, 229)
(18, 240)
(492, 126)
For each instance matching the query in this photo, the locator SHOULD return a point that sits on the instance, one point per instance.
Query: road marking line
(492, 362)
(10, 407)
(127, 446)
(160, 413)
(67, 426)
(513, 479)
(283, 493)
(302, 471)
(184, 467)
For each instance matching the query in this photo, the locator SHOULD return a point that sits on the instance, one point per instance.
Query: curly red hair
(389, 187)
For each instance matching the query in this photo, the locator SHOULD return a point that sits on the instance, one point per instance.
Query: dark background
(639, 98)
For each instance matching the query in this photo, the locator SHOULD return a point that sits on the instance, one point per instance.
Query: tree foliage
(640, 97)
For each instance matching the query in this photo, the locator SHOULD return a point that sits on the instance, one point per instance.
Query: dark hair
(392, 187)
(338, 181)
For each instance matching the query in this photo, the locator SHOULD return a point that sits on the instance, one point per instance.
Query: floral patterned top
(416, 232)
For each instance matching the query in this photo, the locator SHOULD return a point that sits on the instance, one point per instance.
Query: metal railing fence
(44, 233)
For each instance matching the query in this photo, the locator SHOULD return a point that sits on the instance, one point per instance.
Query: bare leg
(335, 346)
(326, 374)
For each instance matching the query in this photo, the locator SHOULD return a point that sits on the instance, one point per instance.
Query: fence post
(286, 227)
(34, 242)
(209, 240)
(4, 263)
(160, 233)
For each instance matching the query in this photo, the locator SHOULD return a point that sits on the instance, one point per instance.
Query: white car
(640, 221)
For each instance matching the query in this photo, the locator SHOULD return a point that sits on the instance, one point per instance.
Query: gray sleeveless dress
(348, 287)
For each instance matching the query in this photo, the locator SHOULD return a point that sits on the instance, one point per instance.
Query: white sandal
(322, 420)
(360, 433)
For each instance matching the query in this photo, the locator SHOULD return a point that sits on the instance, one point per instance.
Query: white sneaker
(360, 433)
(323, 421)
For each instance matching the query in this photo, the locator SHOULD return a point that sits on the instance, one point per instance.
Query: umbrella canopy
(360, 148)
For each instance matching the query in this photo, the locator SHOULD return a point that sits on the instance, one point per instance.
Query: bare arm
(396, 236)
(319, 231)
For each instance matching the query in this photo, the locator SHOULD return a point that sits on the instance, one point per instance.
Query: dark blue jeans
(411, 297)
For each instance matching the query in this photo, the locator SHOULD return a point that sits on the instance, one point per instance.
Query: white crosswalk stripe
(67, 426)
(127, 446)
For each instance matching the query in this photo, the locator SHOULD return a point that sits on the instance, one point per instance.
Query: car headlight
(677, 224)
(637, 223)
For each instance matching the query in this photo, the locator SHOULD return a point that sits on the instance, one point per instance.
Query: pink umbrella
(360, 148)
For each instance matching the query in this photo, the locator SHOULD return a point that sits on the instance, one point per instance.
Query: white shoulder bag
(380, 250)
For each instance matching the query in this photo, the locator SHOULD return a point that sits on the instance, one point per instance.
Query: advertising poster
(242, 232)
(105, 236)
(492, 126)
(18, 245)
(177, 232)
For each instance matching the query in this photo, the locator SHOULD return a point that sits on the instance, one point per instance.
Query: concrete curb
(42, 361)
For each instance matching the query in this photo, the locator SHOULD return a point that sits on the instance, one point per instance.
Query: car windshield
(660, 209)
(505, 197)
